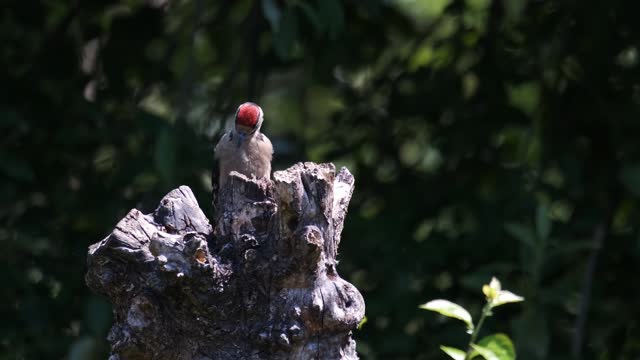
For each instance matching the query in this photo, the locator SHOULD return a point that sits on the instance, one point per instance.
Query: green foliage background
(487, 138)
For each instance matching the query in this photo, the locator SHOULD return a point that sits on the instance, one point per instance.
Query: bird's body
(252, 157)
(243, 149)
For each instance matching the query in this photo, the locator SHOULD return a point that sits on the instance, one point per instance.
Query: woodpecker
(243, 149)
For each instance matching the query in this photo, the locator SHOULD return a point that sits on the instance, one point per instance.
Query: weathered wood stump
(261, 285)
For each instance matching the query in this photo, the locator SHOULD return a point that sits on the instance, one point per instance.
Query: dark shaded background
(487, 138)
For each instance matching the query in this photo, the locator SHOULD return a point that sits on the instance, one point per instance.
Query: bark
(261, 285)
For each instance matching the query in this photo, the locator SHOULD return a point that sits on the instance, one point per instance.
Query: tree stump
(261, 285)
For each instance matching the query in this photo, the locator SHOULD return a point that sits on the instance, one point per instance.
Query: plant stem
(486, 311)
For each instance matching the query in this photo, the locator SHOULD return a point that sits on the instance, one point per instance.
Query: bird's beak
(240, 138)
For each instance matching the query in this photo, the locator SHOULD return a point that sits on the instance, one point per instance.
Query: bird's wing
(266, 145)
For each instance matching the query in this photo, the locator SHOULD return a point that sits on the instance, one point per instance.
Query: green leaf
(454, 353)
(422, 12)
(271, 12)
(495, 347)
(362, 322)
(506, 297)
(543, 223)
(525, 97)
(630, 177)
(476, 5)
(522, 233)
(487, 354)
(450, 309)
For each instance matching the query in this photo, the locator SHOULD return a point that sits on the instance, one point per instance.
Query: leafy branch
(492, 347)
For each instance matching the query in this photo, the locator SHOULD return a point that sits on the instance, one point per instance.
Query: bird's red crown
(248, 115)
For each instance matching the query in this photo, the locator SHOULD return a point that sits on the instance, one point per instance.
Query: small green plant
(491, 347)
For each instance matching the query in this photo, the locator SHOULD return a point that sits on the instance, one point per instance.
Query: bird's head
(249, 117)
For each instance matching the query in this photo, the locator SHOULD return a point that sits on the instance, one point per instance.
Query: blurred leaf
(469, 84)
(514, 9)
(525, 97)
(571, 248)
(478, 4)
(561, 211)
(422, 12)
(362, 322)
(104, 158)
(506, 297)
(543, 223)
(421, 58)
(522, 233)
(271, 12)
(166, 153)
(450, 309)
(83, 349)
(572, 68)
(628, 58)
(454, 353)
(495, 347)
(630, 177)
